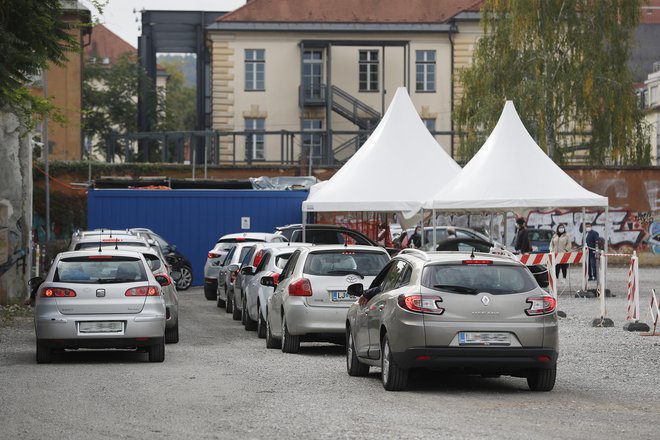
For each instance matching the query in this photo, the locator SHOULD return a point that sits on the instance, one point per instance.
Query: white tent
(399, 167)
(511, 171)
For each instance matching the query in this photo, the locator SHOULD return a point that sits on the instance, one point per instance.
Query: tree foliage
(564, 65)
(177, 106)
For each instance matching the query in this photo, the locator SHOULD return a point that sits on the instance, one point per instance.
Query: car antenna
(116, 243)
(110, 233)
(100, 239)
(472, 254)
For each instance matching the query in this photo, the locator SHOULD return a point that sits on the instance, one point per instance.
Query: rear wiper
(346, 272)
(461, 289)
(113, 280)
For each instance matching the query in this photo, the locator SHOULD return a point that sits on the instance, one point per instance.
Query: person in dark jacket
(522, 244)
(415, 239)
(592, 243)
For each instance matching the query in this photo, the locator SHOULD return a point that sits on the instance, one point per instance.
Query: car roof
(115, 238)
(252, 235)
(341, 247)
(143, 250)
(107, 252)
(315, 226)
(454, 256)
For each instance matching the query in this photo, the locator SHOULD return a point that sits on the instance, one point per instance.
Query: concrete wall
(15, 210)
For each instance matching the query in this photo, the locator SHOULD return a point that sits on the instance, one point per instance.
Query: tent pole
(490, 225)
(606, 245)
(422, 228)
(505, 235)
(435, 239)
(304, 226)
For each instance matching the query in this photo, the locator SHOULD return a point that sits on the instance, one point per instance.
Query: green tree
(178, 106)
(564, 65)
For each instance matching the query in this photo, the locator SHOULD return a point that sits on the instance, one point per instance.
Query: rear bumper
(477, 359)
(303, 320)
(102, 342)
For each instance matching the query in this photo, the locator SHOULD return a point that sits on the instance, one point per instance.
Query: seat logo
(485, 300)
(100, 293)
(352, 279)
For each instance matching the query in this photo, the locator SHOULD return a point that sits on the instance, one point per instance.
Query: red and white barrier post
(654, 313)
(632, 318)
(603, 321)
(552, 275)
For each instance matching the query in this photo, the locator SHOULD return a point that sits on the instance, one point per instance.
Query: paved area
(221, 382)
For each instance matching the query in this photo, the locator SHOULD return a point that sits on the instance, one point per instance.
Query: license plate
(484, 338)
(100, 327)
(338, 295)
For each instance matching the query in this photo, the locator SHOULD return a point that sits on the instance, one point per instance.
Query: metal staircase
(353, 109)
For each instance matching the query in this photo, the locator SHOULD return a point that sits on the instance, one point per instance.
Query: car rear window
(100, 269)
(497, 279)
(338, 263)
(119, 244)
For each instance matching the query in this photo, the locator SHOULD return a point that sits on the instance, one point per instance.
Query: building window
(425, 70)
(654, 96)
(430, 124)
(313, 141)
(254, 142)
(313, 74)
(255, 67)
(368, 70)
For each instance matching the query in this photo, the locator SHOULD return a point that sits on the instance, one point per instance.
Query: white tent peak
(511, 171)
(398, 167)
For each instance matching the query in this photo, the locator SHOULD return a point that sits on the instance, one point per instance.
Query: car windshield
(338, 263)
(105, 244)
(476, 278)
(100, 269)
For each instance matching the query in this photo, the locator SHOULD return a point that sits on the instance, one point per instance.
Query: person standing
(560, 242)
(592, 243)
(415, 240)
(522, 243)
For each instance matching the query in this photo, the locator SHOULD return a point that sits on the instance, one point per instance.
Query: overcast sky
(118, 15)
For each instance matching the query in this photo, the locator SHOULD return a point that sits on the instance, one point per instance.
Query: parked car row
(111, 289)
(461, 310)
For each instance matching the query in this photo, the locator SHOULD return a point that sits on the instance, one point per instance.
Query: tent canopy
(399, 167)
(511, 171)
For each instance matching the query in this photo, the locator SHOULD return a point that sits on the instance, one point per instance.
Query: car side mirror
(268, 282)
(248, 270)
(356, 289)
(232, 267)
(176, 275)
(163, 280)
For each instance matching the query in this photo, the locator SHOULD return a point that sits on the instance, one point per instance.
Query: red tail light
(477, 262)
(541, 305)
(213, 255)
(258, 257)
(57, 293)
(421, 303)
(302, 287)
(143, 291)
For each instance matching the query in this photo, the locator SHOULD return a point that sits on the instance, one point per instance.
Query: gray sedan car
(453, 311)
(310, 301)
(107, 299)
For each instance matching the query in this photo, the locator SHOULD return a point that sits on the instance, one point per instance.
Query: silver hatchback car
(310, 300)
(473, 313)
(92, 299)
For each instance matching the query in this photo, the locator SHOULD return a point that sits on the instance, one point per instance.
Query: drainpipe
(452, 30)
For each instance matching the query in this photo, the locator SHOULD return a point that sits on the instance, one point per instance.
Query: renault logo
(485, 300)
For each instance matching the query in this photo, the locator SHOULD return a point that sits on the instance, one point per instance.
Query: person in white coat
(560, 242)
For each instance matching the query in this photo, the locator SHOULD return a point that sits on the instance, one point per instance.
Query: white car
(216, 255)
(310, 301)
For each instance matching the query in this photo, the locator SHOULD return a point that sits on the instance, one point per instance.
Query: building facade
(312, 79)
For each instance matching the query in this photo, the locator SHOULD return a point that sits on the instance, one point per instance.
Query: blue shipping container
(193, 220)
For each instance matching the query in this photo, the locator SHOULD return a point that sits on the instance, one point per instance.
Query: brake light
(100, 257)
(57, 293)
(110, 240)
(477, 262)
(302, 287)
(421, 303)
(541, 305)
(213, 255)
(258, 257)
(143, 291)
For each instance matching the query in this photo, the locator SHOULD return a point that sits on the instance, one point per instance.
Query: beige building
(324, 72)
(652, 104)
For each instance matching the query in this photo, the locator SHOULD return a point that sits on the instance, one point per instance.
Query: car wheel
(236, 313)
(157, 352)
(271, 342)
(394, 377)
(220, 302)
(542, 379)
(261, 323)
(230, 303)
(353, 365)
(290, 343)
(44, 353)
(186, 278)
(172, 334)
(250, 324)
(209, 293)
(243, 314)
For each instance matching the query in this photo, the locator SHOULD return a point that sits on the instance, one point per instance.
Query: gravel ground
(221, 382)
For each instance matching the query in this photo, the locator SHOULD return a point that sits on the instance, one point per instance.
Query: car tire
(394, 377)
(229, 303)
(172, 334)
(44, 353)
(542, 379)
(290, 343)
(186, 278)
(209, 294)
(220, 302)
(261, 323)
(157, 352)
(353, 365)
(271, 342)
(250, 324)
(236, 314)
